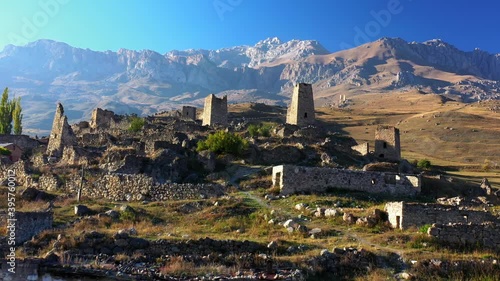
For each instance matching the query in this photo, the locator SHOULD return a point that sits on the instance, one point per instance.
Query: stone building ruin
(404, 215)
(29, 224)
(294, 179)
(301, 109)
(215, 111)
(103, 119)
(387, 144)
(61, 135)
(188, 113)
(363, 149)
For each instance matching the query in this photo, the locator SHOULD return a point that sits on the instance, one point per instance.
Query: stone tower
(215, 111)
(301, 109)
(387, 144)
(61, 135)
(189, 113)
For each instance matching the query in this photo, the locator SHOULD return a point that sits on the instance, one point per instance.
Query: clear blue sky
(163, 25)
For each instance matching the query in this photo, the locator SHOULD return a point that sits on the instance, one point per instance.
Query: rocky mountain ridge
(144, 82)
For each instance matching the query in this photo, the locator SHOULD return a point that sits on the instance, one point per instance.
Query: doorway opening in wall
(398, 221)
(277, 180)
(385, 144)
(305, 114)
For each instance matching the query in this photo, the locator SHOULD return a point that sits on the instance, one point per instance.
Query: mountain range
(144, 82)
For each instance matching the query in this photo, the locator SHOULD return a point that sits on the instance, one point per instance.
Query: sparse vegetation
(424, 164)
(223, 142)
(4, 151)
(259, 130)
(136, 124)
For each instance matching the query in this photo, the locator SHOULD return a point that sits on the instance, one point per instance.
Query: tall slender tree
(5, 113)
(10, 110)
(17, 116)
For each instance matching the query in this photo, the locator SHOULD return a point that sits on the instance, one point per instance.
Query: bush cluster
(136, 124)
(259, 130)
(223, 142)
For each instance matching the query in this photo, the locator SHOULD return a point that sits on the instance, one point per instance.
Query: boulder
(82, 210)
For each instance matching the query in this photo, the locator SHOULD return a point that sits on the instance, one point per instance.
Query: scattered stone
(300, 206)
(331, 213)
(82, 210)
(273, 245)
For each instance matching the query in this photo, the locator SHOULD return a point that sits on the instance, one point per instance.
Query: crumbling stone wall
(363, 149)
(215, 111)
(387, 143)
(49, 182)
(403, 215)
(484, 234)
(103, 119)
(29, 224)
(74, 155)
(61, 135)
(295, 179)
(20, 168)
(120, 187)
(301, 109)
(189, 113)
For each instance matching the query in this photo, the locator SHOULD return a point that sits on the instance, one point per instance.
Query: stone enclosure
(404, 215)
(29, 224)
(294, 179)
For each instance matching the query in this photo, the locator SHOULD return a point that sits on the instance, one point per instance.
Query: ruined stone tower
(387, 144)
(301, 109)
(102, 119)
(215, 111)
(189, 112)
(61, 135)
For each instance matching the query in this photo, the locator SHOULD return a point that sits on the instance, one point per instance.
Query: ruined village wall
(295, 179)
(421, 214)
(131, 187)
(29, 224)
(485, 234)
(20, 170)
(363, 149)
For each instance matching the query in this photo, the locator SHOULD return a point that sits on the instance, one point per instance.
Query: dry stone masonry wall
(29, 224)
(295, 179)
(403, 215)
(485, 234)
(128, 187)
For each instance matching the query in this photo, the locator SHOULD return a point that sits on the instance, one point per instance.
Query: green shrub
(424, 164)
(424, 228)
(265, 130)
(259, 130)
(223, 142)
(136, 124)
(4, 151)
(253, 130)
